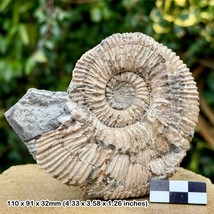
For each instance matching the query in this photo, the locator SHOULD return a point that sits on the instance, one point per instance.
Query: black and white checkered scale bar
(181, 192)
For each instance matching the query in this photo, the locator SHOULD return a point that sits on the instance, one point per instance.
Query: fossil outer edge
(134, 106)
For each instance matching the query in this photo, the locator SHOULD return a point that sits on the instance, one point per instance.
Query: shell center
(127, 97)
(121, 95)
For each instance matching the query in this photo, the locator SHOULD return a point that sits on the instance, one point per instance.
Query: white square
(178, 186)
(159, 196)
(197, 198)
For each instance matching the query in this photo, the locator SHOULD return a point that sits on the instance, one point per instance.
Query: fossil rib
(128, 116)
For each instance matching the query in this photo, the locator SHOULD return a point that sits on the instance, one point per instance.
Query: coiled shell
(134, 107)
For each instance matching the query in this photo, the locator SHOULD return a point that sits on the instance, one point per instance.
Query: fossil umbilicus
(128, 116)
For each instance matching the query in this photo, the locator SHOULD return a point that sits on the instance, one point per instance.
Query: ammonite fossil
(128, 116)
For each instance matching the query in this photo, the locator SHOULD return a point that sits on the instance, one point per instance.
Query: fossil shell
(134, 106)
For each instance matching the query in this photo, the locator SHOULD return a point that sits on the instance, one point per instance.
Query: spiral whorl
(134, 106)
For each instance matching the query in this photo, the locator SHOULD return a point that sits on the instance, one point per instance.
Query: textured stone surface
(37, 112)
(30, 182)
(129, 116)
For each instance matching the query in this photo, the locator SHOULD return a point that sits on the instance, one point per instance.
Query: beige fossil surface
(128, 116)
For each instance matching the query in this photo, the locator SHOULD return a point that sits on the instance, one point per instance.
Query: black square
(178, 197)
(196, 186)
(159, 185)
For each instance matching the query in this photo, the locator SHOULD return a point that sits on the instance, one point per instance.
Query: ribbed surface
(143, 108)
